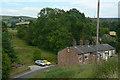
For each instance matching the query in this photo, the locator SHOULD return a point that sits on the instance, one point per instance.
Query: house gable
(67, 57)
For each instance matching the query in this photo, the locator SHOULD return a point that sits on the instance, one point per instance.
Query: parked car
(40, 63)
(47, 62)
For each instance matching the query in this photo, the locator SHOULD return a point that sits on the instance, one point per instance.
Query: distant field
(10, 20)
(25, 52)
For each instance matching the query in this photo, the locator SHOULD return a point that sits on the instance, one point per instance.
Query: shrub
(36, 55)
(106, 69)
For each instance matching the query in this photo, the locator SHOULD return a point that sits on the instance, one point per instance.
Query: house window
(80, 59)
(113, 52)
(101, 54)
(98, 56)
(86, 56)
(68, 50)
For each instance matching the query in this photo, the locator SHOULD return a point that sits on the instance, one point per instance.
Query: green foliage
(80, 71)
(118, 34)
(6, 65)
(25, 52)
(57, 28)
(112, 26)
(8, 53)
(36, 55)
(104, 31)
(4, 27)
(21, 32)
(6, 46)
(107, 69)
(118, 39)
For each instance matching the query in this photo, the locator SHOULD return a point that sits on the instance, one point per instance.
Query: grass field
(25, 52)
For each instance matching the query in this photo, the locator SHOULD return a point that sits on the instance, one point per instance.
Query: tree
(55, 29)
(8, 53)
(36, 55)
(6, 65)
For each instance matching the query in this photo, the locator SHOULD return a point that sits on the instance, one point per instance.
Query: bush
(36, 55)
(6, 65)
(107, 69)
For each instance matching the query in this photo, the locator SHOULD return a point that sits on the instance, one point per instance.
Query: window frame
(101, 54)
(86, 55)
(98, 56)
(80, 58)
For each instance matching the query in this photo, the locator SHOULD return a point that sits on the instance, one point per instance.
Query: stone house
(84, 54)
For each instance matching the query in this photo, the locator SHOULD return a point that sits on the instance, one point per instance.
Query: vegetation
(54, 30)
(107, 69)
(8, 54)
(37, 55)
(25, 53)
(57, 28)
(11, 21)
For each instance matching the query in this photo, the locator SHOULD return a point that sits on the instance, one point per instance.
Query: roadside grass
(25, 52)
(106, 69)
(16, 71)
(80, 71)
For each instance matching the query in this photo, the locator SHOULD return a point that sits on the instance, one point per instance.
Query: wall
(67, 57)
(91, 58)
(81, 62)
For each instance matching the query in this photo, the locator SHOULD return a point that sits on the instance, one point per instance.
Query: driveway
(36, 70)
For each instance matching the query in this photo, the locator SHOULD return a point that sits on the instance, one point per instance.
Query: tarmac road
(32, 73)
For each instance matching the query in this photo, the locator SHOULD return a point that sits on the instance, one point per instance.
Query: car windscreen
(42, 61)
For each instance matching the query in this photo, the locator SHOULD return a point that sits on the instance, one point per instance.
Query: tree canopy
(8, 53)
(55, 29)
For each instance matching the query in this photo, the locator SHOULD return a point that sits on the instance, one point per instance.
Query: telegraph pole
(97, 42)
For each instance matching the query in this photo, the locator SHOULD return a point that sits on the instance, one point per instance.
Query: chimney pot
(74, 43)
(87, 42)
(81, 42)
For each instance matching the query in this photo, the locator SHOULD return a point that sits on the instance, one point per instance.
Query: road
(32, 73)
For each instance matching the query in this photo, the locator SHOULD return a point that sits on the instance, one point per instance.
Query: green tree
(103, 31)
(6, 65)
(36, 55)
(8, 53)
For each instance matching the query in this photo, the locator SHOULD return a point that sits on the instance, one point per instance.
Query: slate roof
(91, 48)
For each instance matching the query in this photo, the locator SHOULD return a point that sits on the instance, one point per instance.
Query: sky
(108, 8)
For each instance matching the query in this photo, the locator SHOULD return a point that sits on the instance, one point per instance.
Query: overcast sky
(108, 8)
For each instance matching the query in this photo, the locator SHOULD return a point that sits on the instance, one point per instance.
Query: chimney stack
(81, 42)
(87, 42)
(74, 43)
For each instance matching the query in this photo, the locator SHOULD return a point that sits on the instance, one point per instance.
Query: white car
(40, 63)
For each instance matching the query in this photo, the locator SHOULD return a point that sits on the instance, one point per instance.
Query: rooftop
(91, 49)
